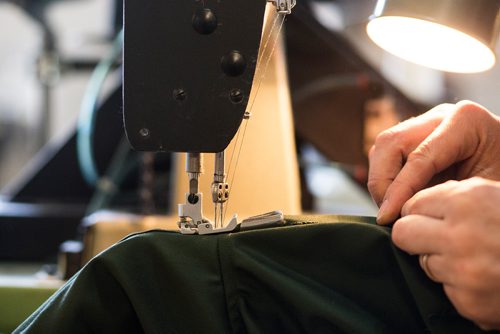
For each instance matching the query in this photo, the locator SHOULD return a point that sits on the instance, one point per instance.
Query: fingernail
(381, 217)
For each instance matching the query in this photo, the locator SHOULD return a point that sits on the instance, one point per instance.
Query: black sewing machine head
(188, 71)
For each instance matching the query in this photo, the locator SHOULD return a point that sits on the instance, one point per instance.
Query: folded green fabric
(318, 274)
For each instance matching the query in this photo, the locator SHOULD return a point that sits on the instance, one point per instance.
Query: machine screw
(236, 96)
(179, 94)
(192, 198)
(233, 64)
(204, 21)
(144, 132)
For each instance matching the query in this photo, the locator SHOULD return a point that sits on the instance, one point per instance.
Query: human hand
(457, 224)
(448, 142)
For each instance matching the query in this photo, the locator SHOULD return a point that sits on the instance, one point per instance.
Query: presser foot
(208, 227)
(193, 222)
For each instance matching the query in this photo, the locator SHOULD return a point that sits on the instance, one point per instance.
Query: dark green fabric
(320, 274)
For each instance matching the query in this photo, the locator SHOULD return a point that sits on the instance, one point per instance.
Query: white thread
(263, 70)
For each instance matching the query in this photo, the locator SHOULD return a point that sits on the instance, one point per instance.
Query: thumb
(454, 140)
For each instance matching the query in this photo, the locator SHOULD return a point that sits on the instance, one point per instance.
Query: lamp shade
(448, 35)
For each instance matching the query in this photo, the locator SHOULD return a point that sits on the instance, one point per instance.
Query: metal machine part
(194, 167)
(270, 219)
(188, 67)
(283, 6)
(191, 212)
(201, 91)
(192, 220)
(220, 189)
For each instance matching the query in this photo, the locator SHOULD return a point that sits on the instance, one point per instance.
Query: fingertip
(405, 211)
(382, 220)
(385, 219)
(377, 189)
(398, 232)
(385, 215)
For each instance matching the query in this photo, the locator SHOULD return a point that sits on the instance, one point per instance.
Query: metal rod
(219, 172)
(194, 167)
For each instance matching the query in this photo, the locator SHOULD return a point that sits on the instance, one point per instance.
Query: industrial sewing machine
(189, 68)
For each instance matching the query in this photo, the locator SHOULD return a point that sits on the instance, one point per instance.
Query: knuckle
(377, 187)
(416, 203)
(372, 186)
(371, 152)
(467, 110)
(478, 188)
(417, 155)
(423, 157)
(465, 107)
(462, 197)
(386, 137)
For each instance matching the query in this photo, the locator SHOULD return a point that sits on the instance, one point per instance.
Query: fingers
(393, 146)
(422, 229)
(431, 202)
(453, 140)
(417, 234)
(437, 268)
(425, 236)
(456, 224)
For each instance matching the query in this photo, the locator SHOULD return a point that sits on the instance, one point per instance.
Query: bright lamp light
(448, 35)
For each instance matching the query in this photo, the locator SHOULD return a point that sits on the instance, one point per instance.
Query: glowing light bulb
(430, 44)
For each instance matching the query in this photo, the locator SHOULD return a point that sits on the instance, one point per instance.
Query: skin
(449, 142)
(456, 222)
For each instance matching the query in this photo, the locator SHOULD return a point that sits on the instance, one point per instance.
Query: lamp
(448, 35)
